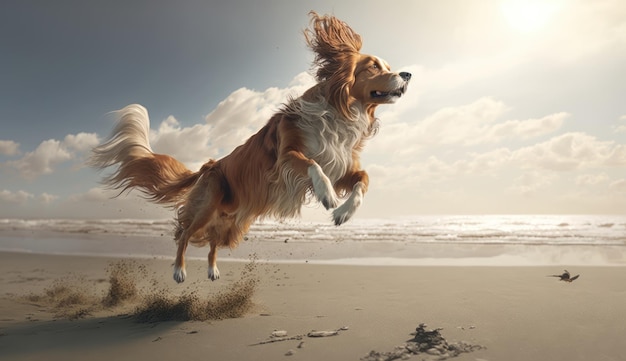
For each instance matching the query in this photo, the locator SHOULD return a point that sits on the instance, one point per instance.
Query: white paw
(179, 274)
(349, 207)
(322, 187)
(214, 273)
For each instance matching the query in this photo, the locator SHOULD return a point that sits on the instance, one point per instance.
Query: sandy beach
(514, 313)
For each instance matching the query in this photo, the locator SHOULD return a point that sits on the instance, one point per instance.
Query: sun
(528, 15)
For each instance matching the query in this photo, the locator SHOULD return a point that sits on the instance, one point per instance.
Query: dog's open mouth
(388, 94)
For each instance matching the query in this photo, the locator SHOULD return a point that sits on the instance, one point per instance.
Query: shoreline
(343, 252)
(517, 313)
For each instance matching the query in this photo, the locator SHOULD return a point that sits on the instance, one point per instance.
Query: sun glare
(528, 15)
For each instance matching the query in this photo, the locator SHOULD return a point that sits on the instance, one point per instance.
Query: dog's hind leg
(194, 216)
(179, 265)
(200, 220)
(214, 273)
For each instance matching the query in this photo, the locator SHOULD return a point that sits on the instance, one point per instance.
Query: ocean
(415, 240)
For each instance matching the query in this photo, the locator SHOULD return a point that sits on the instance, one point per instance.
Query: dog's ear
(336, 48)
(339, 85)
(333, 42)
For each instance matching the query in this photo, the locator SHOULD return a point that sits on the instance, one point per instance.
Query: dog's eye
(375, 66)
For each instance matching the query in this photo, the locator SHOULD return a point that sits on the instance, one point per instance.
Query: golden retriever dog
(311, 146)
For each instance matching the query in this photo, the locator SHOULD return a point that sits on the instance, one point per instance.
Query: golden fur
(311, 145)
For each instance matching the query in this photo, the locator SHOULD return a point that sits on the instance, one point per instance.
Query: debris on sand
(123, 282)
(68, 298)
(428, 342)
(232, 303)
(326, 333)
(565, 276)
(76, 297)
(281, 335)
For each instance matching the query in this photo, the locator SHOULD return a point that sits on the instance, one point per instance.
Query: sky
(515, 107)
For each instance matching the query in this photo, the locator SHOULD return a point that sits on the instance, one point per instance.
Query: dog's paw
(214, 273)
(329, 201)
(348, 208)
(322, 187)
(179, 274)
(340, 216)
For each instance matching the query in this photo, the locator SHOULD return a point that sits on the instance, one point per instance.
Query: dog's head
(350, 76)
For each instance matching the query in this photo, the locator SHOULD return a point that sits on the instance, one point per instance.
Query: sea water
(435, 239)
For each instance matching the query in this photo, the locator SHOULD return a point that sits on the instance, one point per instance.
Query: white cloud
(46, 198)
(52, 152)
(245, 111)
(618, 185)
(620, 128)
(81, 142)
(19, 197)
(9, 147)
(487, 162)
(452, 125)
(592, 179)
(233, 121)
(572, 151)
(467, 125)
(462, 125)
(476, 123)
(96, 194)
(540, 163)
(526, 128)
(42, 160)
(189, 145)
(531, 182)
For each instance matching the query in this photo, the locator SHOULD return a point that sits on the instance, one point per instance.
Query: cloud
(19, 197)
(95, 194)
(22, 197)
(233, 121)
(538, 164)
(468, 125)
(620, 128)
(81, 142)
(476, 123)
(42, 160)
(571, 151)
(485, 163)
(618, 185)
(465, 124)
(525, 129)
(51, 153)
(592, 179)
(530, 183)
(46, 198)
(190, 145)
(9, 147)
(245, 111)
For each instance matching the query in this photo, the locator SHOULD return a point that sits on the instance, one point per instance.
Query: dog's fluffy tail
(159, 177)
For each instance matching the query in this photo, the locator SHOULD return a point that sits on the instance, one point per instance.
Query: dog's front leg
(292, 162)
(322, 187)
(357, 182)
(296, 162)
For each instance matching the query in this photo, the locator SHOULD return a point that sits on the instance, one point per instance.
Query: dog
(310, 147)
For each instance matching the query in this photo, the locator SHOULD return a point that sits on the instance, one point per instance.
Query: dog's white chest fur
(330, 140)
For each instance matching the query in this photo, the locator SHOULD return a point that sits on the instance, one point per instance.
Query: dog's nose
(405, 76)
